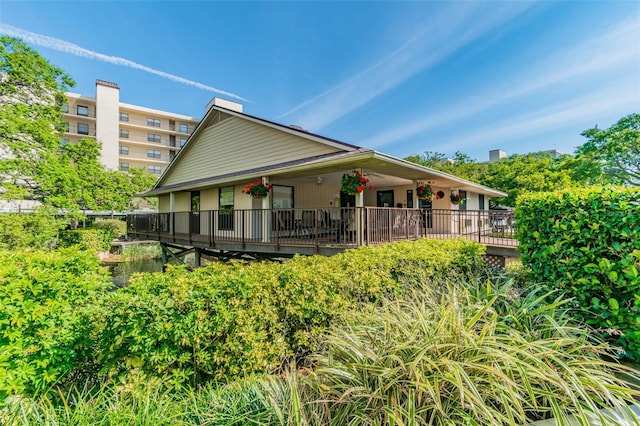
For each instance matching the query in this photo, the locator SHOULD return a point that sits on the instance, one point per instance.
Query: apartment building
(132, 136)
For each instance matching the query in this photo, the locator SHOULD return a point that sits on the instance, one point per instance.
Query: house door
(426, 207)
(195, 212)
(385, 199)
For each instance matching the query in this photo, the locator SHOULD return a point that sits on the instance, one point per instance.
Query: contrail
(74, 49)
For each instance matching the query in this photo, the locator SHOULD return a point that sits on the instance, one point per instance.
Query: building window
(481, 201)
(124, 150)
(65, 108)
(64, 142)
(83, 129)
(151, 137)
(154, 169)
(182, 142)
(153, 122)
(225, 214)
(183, 128)
(153, 153)
(124, 166)
(124, 133)
(463, 205)
(124, 117)
(172, 140)
(172, 155)
(82, 110)
(65, 126)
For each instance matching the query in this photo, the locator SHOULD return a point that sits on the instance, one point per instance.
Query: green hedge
(587, 242)
(42, 296)
(91, 239)
(37, 230)
(223, 321)
(115, 228)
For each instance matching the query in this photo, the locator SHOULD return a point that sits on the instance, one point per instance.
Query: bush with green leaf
(37, 230)
(223, 321)
(95, 240)
(42, 296)
(586, 242)
(114, 228)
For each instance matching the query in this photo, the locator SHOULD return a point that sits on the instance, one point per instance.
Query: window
(83, 129)
(225, 215)
(65, 108)
(124, 150)
(172, 155)
(154, 169)
(153, 122)
(153, 153)
(282, 197)
(124, 117)
(124, 133)
(409, 198)
(65, 126)
(151, 137)
(64, 142)
(182, 142)
(82, 110)
(463, 205)
(124, 166)
(172, 140)
(481, 201)
(183, 128)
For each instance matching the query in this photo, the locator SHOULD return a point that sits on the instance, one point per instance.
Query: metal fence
(351, 226)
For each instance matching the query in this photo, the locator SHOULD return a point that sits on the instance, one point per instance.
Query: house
(202, 203)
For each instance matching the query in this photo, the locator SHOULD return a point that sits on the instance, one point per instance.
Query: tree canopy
(33, 162)
(614, 151)
(610, 156)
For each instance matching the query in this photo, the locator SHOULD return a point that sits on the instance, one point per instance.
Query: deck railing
(342, 227)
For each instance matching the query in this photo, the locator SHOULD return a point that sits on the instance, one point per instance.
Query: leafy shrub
(38, 230)
(587, 243)
(468, 354)
(224, 321)
(113, 227)
(41, 297)
(95, 240)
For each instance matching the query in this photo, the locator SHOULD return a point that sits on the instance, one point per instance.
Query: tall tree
(31, 96)
(33, 163)
(615, 150)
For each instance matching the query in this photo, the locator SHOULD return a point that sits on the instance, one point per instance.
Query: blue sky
(399, 77)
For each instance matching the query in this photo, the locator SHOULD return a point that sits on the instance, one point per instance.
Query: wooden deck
(321, 231)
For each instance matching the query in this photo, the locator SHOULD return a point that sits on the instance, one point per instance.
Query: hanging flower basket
(457, 198)
(257, 189)
(425, 192)
(354, 183)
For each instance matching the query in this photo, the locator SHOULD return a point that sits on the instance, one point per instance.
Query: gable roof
(312, 154)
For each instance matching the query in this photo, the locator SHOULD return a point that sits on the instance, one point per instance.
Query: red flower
(358, 174)
(360, 188)
(370, 186)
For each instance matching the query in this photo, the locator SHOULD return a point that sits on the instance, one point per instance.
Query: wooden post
(198, 257)
(165, 258)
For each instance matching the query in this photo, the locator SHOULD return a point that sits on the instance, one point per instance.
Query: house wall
(228, 146)
(164, 203)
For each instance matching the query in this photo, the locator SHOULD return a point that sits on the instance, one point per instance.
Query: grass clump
(469, 353)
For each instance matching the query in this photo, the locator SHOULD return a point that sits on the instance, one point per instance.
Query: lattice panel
(494, 261)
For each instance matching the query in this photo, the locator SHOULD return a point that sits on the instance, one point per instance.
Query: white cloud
(445, 34)
(586, 109)
(610, 50)
(73, 49)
